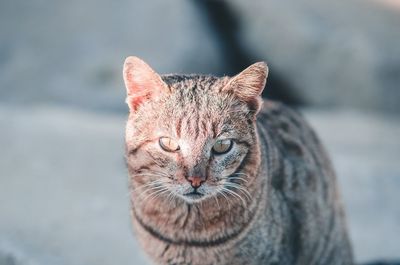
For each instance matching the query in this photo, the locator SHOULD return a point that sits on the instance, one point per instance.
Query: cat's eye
(222, 146)
(168, 144)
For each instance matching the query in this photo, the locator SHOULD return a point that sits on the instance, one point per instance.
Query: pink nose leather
(196, 181)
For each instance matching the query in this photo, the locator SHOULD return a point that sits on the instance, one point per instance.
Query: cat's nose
(196, 181)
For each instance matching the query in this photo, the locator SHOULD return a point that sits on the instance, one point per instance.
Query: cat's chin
(193, 197)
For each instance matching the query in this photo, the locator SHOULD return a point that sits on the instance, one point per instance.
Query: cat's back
(303, 179)
(301, 168)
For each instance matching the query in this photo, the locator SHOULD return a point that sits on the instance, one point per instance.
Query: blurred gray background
(63, 184)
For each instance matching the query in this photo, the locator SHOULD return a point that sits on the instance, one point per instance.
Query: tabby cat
(218, 177)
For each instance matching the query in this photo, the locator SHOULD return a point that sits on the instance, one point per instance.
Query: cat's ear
(249, 84)
(142, 83)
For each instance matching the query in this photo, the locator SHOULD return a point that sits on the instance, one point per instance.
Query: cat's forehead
(196, 92)
(194, 103)
(194, 82)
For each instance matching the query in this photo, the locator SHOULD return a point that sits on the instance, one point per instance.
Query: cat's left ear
(142, 83)
(249, 84)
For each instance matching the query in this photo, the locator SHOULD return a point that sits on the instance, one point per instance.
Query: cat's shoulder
(286, 125)
(281, 115)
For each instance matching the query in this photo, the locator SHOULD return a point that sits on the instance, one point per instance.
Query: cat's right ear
(142, 83)
(249, 84)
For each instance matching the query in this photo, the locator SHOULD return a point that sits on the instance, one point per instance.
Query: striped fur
(273, 199)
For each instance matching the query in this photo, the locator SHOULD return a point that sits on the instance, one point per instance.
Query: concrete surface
(63, 188)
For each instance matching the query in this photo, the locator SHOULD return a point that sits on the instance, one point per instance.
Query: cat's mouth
(194, 195)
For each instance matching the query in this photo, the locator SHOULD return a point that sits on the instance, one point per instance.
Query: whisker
(238, 178)
(226, 198)
(236, 111)
(162, 189)
(241, 174)
(153, 183)
(145, 190)
(146, 174)
(158, 194)
(150, 172)
(169, 199)
(216, 199)
(240, 188)
(147, 187)
(236, 195)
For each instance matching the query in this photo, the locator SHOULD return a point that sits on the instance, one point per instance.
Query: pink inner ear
(135, 102)
(141, 92)
(141, 82)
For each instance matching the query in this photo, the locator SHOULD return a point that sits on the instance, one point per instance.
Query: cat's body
(283, 205)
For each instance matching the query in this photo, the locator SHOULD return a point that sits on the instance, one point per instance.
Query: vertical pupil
(168, 144)
(222, 146)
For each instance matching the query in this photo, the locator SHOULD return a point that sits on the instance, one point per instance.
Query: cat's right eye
(168, 144)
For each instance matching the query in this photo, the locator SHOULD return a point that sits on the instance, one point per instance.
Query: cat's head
(191, 137)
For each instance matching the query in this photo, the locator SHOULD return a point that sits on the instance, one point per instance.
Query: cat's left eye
(168, 144)
(222, 146)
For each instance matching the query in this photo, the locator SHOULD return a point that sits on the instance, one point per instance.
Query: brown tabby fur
(282, 206)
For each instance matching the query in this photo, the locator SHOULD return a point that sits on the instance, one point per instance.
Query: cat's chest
(242, 247)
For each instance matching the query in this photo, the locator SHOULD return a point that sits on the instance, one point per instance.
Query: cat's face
(188, 137)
